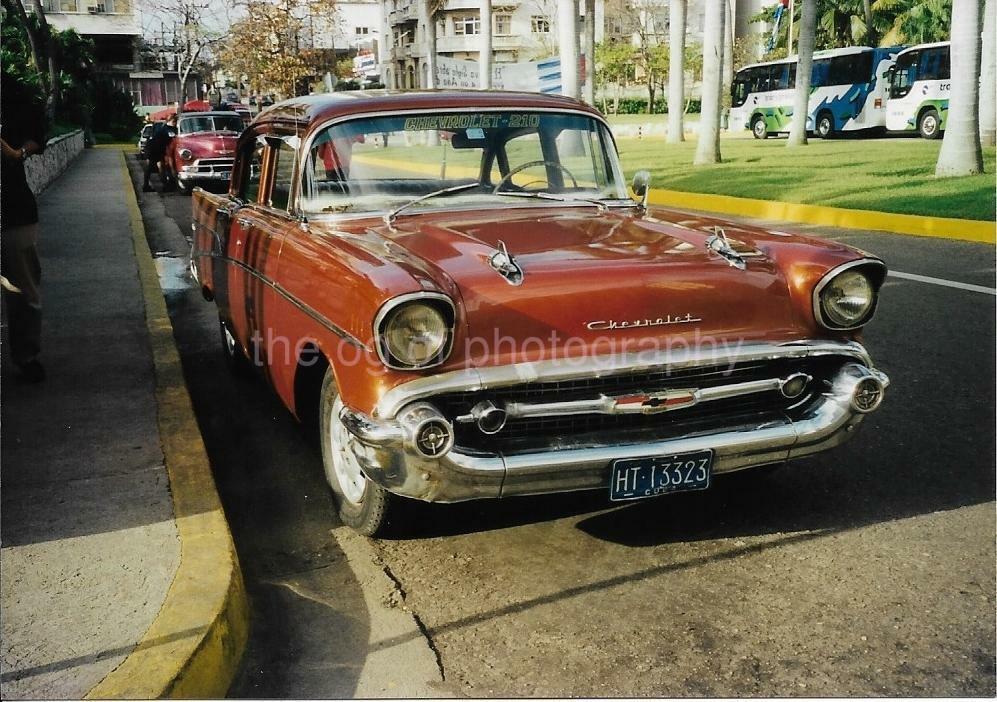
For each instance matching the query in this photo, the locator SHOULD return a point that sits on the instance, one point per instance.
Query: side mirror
(642, 187)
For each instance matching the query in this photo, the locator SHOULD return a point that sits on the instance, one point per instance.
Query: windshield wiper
(557, 198)
(389, 217)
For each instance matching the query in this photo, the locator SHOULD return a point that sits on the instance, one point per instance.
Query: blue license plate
(637, 478)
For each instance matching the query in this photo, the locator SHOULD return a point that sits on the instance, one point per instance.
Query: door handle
(243, 222)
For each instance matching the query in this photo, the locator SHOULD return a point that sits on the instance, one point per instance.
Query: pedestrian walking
(159, 141)
(22, 135)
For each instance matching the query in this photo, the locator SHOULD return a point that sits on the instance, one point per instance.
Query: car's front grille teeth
(537, 433)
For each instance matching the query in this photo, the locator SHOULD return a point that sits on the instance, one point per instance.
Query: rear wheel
(825, 125)
(759, 129)
(360, 503)
(928, 125)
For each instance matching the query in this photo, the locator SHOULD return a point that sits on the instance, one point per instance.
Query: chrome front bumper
(388, 454)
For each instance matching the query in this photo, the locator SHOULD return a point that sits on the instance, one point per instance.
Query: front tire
(759, 129)
(929, 125)
(825, 125)
(361, 504)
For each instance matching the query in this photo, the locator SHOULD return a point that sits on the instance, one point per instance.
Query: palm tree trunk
(485, 79)
(708, 146)
(961, 153)
(988, 76)
(870, 33)
(676, 69)
(567, 34)
(429, 23)
(801, 98)
(588, 49)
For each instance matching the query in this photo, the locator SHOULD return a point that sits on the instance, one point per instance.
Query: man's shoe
(147, 189)
(33, 371)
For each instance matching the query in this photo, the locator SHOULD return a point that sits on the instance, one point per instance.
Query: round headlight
(414, 334)
(186, 154)
(847, 299)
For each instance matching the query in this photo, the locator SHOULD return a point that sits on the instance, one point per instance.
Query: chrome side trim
(395, 302)
(830, 275)
(474, 379)
(280, 290)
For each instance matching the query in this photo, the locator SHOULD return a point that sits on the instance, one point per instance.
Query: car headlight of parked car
(415, 331)
(846, 296)
(186, 154)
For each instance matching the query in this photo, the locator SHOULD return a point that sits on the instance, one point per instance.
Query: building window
(540, 24)
(503, 25)
(614, 25)
(362, 31)
(467, 25)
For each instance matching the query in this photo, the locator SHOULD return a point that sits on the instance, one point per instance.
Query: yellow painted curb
(941, 227)
(193, 647)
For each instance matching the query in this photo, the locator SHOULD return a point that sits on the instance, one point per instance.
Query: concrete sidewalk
(94, 565)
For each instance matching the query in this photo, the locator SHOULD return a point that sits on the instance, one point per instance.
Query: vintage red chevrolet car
(459, 289)
(203, 150)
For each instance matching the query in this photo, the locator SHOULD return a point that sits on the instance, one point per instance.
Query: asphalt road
(867, 571)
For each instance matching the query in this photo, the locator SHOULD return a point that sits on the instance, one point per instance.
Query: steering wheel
(529, 164)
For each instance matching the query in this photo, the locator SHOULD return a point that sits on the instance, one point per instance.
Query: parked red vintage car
(459, 289)
(203, 150)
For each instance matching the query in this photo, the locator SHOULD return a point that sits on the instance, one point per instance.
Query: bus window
(784, 76)
(739, 90)
(934, 64)
(819, 73)
(851, 68)
(904, 74)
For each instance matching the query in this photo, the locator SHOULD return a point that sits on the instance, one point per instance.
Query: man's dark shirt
(20, 122)
(159, 140)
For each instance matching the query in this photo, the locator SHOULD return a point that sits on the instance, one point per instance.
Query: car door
(256, 234)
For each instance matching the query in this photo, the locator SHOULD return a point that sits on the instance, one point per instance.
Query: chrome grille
(533, 433)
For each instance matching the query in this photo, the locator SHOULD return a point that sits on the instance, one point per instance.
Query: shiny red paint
(583, 270)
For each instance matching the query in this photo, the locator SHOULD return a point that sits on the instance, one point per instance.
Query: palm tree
(567, 34)
(988, 76)
(485, 79)
(914, 21)
(708, 146)
(801, 98)
(961, 153)
(588, 49)
(676, 69)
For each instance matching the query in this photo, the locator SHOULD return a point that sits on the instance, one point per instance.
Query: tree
(43, 49)
(801, 94)
(988, 76)
(567, 31)
(614, 62)
(708, 146)
(914, 21)
(961, 153)
(271, 47)
(676, 69)
(485, 67)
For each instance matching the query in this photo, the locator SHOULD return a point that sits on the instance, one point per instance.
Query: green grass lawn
(889, 175)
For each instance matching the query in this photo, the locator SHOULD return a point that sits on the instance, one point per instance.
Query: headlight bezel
(185, 154)
(440, 303)
(874, 271)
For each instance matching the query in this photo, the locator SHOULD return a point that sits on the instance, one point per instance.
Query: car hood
(208, 144)
(615, 279)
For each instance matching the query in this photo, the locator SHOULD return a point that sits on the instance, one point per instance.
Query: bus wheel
(825, 125)
(927, 125)
(758, 128)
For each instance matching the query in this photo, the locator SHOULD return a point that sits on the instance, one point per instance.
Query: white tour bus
(920, 84)
(848, 89)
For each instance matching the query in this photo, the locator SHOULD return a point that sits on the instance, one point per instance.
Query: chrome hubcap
(347, 471)
(759, 128)
(929, 125)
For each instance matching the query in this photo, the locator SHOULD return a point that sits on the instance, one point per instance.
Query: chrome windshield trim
(475, 379)
(614, 203)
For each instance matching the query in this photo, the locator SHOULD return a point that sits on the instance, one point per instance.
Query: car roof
(311, 109)
(209, 113)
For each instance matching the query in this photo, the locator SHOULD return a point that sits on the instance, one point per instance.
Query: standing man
(162, 134)
(22, 134)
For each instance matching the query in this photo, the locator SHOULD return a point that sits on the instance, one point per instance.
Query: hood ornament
(720, 245)
(505, 265)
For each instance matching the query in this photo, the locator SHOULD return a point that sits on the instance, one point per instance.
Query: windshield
(211, 123)
(381, 163)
